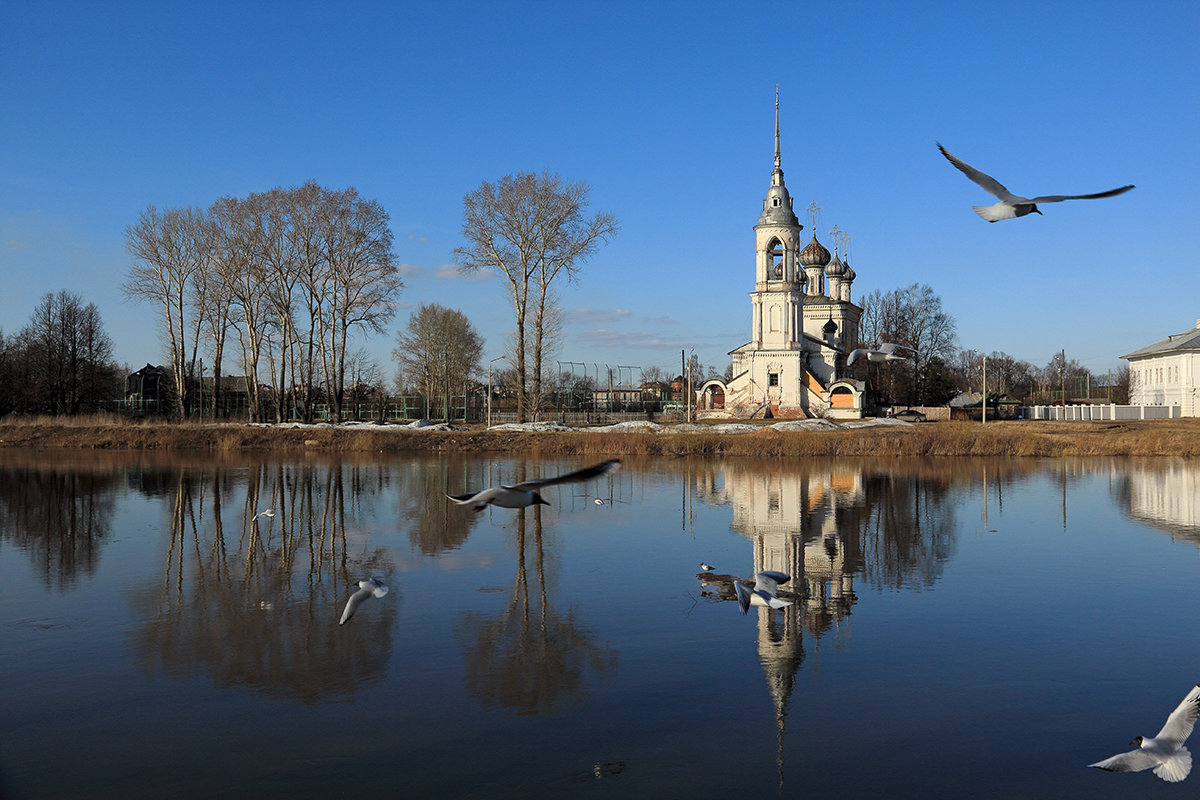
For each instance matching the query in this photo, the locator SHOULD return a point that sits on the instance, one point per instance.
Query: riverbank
(1179, 437)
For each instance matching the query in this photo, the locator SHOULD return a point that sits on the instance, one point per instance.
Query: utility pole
(1064, 379)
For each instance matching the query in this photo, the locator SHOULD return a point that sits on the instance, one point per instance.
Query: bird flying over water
(766, 584)
(521, 495)
(706, 567)
(1165, 752)
(885, 352)
(1010, 205)
(270, 512)
(366, 590)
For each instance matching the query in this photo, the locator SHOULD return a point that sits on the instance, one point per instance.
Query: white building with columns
(803, 323)
(1167, 373)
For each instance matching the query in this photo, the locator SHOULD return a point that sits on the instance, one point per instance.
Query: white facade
(1167, 373)
(802, 323)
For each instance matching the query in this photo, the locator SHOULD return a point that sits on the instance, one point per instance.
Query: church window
(772, 379)
(775, 254)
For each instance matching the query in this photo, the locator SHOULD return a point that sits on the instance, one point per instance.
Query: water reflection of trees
(532, 658)
(254, 604)
(60, 517)
(437, 525)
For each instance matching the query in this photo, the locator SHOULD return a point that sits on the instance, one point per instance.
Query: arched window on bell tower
(775, 260)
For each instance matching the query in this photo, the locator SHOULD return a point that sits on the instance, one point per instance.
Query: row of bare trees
(534, 231)
(61, 362)
(938, 369)
(911, 316)
(1061, 379)
(291, 273)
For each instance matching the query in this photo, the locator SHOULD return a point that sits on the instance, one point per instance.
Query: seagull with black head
(524, 494)
(1012, 206)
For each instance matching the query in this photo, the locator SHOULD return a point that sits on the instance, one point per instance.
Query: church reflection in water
(830, 524)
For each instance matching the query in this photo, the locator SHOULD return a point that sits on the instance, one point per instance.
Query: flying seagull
(270, 512)
(366, 590)
(1010, 205)
(885, 352)
(766, 584)
(520, 495)
(706, 567)
(1165, 752)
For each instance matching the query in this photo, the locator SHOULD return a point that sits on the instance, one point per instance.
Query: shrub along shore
(1180, 437)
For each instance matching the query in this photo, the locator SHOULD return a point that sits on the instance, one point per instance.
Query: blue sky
(666, 110)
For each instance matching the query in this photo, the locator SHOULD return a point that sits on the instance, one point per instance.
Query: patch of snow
(805, 425)
(531, 426)
(426, 425)
(733, 427)
(626, 427)
(875, 423)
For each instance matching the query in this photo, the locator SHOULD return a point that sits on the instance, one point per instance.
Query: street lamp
(489, 407)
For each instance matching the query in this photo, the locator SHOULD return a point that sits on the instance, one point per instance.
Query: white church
(803, 324)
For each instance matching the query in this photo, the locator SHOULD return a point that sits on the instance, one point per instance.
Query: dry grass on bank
(1005, 438)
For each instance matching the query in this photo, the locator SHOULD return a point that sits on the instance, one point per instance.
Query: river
(960, 627)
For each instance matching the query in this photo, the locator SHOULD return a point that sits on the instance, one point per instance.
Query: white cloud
(593, 315)
(443, 272)
(452, 272)
(631, 339)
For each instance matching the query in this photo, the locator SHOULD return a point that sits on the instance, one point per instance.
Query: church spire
(777, 207)
(777, 158)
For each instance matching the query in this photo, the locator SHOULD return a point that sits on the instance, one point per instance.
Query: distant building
(1167, 373)
(803, 324)
(149, 388)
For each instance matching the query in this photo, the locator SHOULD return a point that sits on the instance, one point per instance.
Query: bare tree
(306, 221)
(1122, 385)
(439, 351)
(278, 276)
(169, 250)
(230, 277)
(239, 241)
(531, 229)
(65, 357)
(362, 280)
(913, 317)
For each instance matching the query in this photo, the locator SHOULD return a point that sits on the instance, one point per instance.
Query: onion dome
(814, 255)
(849, 275)
(835, 268)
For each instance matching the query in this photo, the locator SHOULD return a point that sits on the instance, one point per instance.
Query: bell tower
(778, 296)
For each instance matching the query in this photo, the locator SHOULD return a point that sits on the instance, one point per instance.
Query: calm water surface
(967, 628)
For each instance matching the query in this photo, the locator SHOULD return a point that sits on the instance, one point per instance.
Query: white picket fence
(1100, 412)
